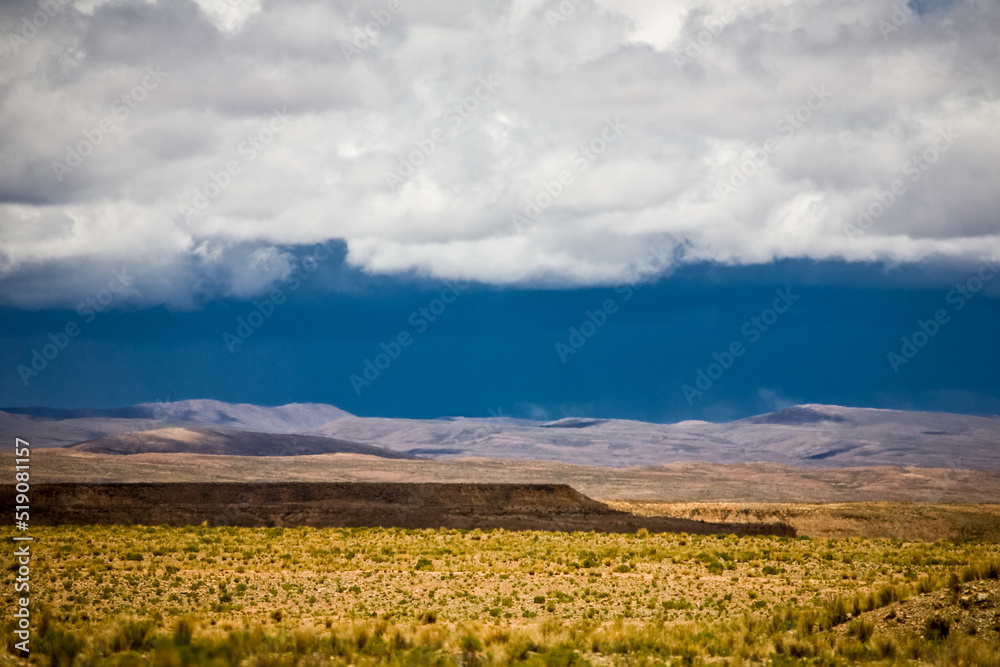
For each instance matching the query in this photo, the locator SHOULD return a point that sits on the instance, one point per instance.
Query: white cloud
(481, 152)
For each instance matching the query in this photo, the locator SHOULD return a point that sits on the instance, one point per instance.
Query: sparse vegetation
(359, 596)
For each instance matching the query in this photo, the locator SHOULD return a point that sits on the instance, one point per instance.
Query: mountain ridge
(276, 419)
(807, 435)
(218, 442)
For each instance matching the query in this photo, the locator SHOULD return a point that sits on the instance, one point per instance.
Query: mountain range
(802, 436)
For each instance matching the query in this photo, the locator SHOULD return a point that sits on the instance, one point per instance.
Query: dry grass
(226, 596)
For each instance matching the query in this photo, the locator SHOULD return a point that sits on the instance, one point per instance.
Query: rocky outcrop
(554, 507)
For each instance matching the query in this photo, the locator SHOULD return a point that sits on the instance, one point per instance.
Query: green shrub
(60, 647)
(678, 604)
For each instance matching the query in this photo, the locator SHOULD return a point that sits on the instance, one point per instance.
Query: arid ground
(115, 595)
(887, 568)
(675, 482)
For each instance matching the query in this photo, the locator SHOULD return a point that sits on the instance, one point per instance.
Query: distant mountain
(54, 427)
(800, 415)
(42, 432)
(801, 436)
(805, 435)
(226, 443)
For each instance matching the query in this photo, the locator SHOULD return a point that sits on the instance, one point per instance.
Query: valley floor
(113, 595)
(908, 521)
(675, 482)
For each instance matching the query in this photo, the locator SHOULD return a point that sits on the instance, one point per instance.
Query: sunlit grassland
(198, 595)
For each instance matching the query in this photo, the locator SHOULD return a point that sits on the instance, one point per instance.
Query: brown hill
(217, 442)
(431, 505)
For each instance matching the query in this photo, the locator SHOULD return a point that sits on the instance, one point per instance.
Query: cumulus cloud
(505, 143)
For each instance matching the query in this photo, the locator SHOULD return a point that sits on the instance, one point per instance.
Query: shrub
(183, 632)
(853, 650)
(861, 629)
(888, 594)
(470, 646)
(884, 647)
(61, 647)
(133, 636)
(678, 604)
(937, 628)
(834, 613)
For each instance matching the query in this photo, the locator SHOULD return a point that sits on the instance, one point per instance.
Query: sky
(645, 210)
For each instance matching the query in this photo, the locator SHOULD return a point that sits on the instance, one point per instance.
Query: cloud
(475, 144)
